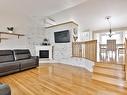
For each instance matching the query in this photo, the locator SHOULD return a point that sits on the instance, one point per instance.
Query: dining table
(120, 48)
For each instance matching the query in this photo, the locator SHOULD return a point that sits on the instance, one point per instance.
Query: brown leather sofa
(12, 61)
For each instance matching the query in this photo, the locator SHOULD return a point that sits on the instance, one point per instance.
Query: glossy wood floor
(58, 79)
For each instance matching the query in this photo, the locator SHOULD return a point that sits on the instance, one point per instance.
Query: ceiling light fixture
(110, 28)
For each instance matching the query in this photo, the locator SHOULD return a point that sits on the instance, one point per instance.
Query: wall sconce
(75, 34)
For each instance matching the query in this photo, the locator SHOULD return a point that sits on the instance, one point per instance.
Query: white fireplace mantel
(38, 48)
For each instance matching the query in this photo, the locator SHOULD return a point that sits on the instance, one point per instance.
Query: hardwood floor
(58, 79)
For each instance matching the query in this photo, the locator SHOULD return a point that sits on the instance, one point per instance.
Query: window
(84, 36)
(102, 37)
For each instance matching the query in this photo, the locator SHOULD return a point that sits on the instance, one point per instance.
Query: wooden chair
(111, 49)
(125, 45)
(121, 51)
(126, 57)
(102, 52)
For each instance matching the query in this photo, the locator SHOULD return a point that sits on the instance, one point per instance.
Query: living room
(61, 47)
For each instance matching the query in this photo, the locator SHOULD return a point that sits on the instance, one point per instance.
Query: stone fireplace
(44, 52)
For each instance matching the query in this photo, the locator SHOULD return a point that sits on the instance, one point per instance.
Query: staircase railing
(87, 49)
(126, 57)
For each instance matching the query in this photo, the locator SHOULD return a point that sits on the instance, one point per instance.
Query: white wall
(19, 27)
(25, 25)
(34, 32)
(61, 50)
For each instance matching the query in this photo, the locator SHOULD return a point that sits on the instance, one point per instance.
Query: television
(62, 36)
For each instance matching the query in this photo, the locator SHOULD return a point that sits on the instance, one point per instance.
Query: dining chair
(102, 52)
(111, 50)
(121, 50)
(125, 50)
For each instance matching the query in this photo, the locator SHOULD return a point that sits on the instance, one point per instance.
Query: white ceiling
(91, 14)
(36, 7)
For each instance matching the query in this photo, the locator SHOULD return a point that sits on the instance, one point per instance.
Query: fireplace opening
(44, 53)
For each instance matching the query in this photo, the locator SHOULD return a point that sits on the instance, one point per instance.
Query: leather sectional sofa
(12, 61)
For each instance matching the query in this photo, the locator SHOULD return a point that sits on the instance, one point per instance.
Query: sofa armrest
(36, 58)
(5, 89)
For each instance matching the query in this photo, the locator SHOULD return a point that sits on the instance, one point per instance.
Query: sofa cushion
(6, 56)
(22, 54)
(9, 66)
(27, 63)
